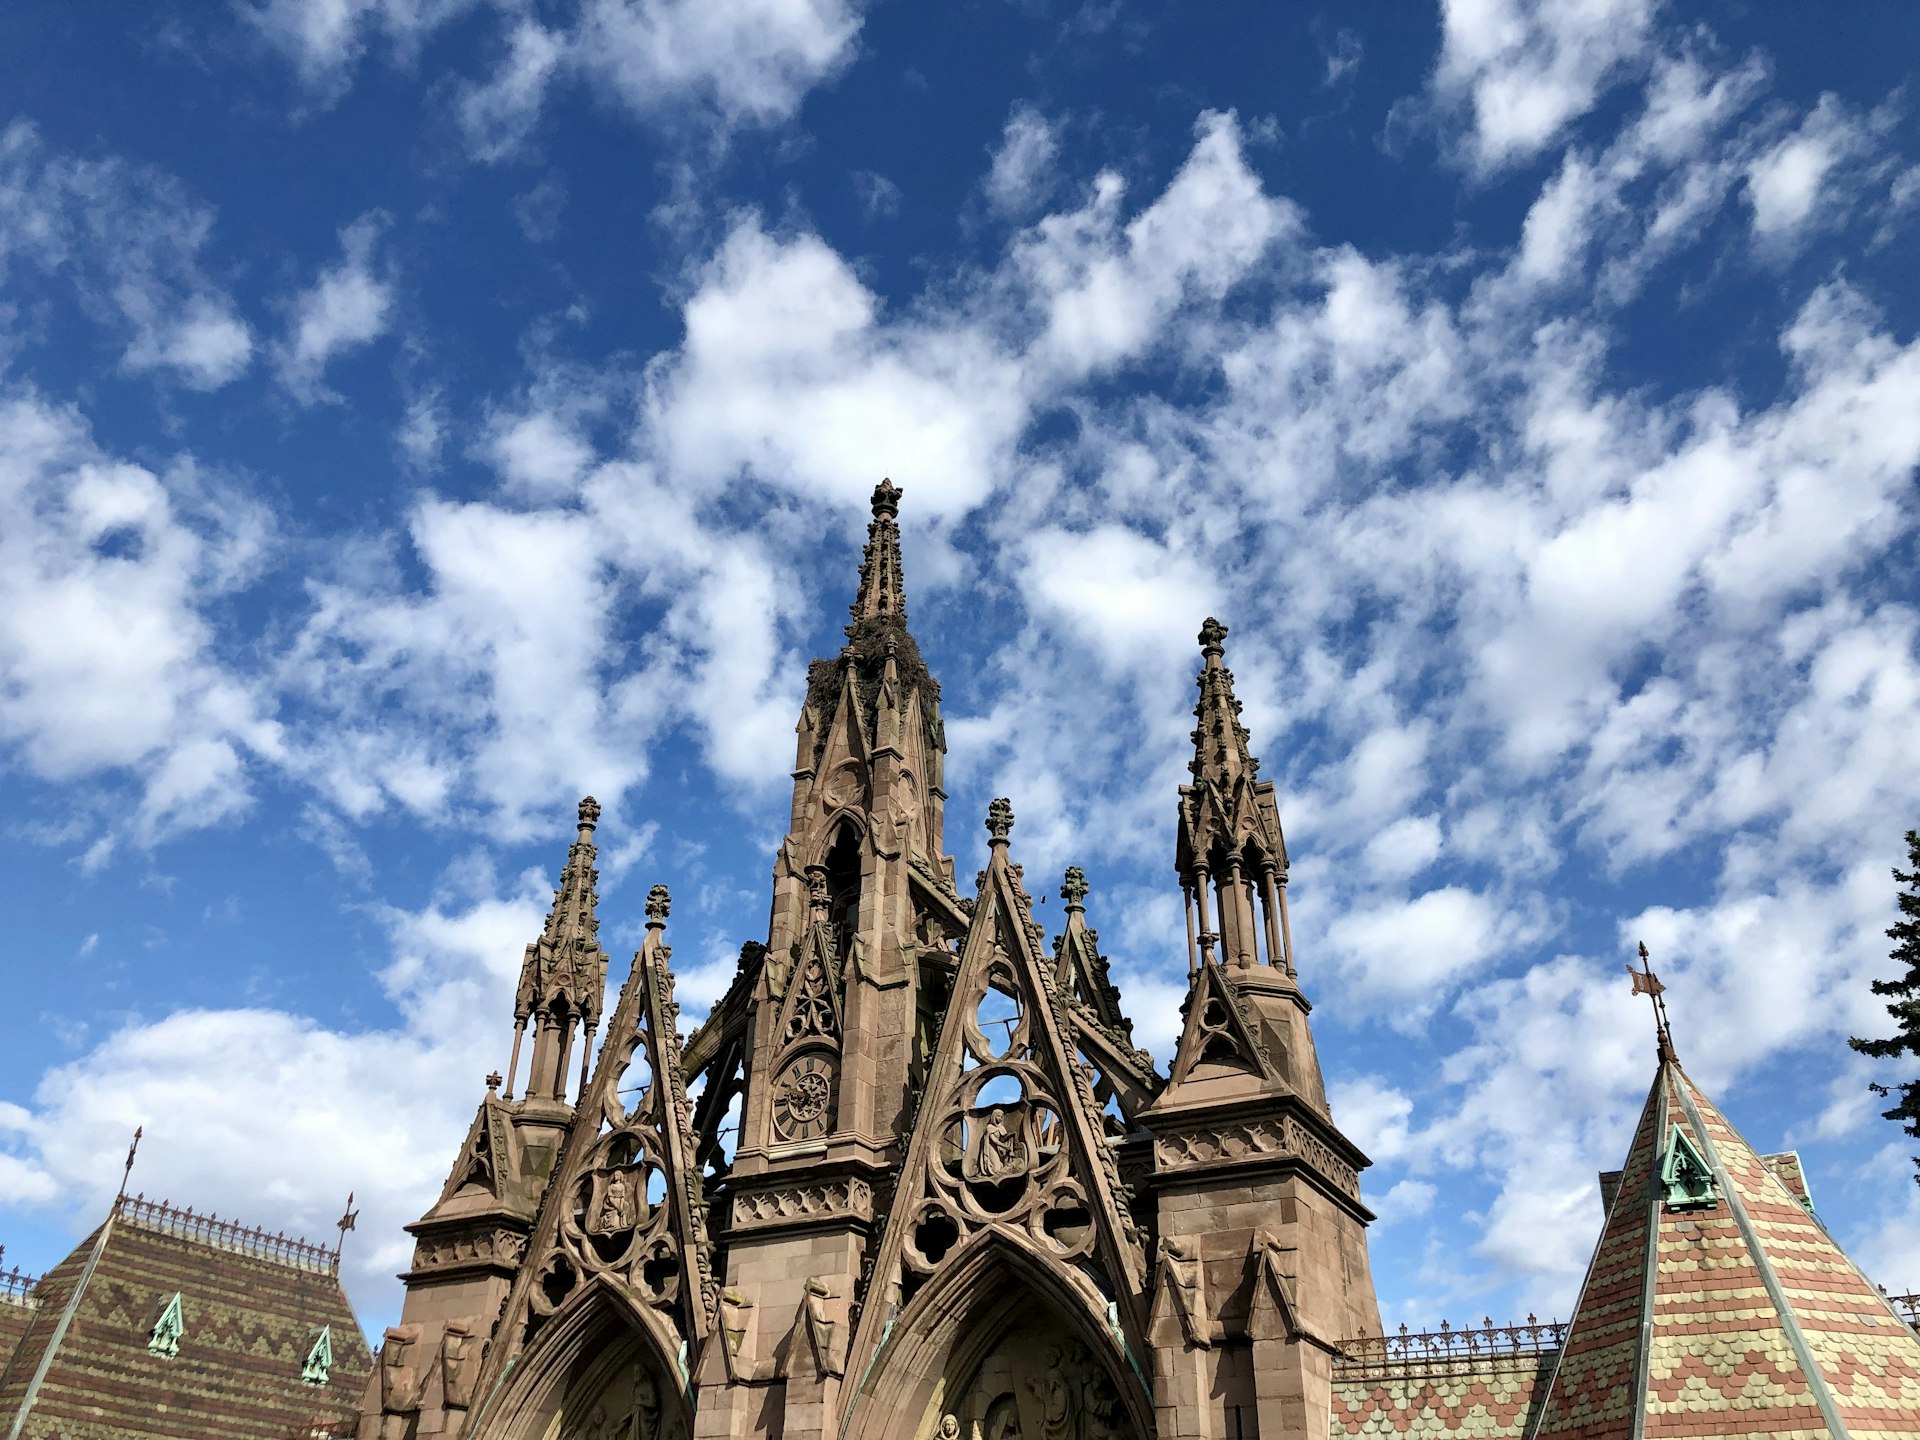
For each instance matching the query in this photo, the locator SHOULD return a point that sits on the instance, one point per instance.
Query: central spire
(882, 584)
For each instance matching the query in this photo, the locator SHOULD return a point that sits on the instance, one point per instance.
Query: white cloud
(788, 373)
(347, 307)
(1527, 68)
(1789, 185)
(110, 663)
(1416, 950)
(1024, 166)
(326, 39)
(498, 114)
(538, 455)
(751, 61)
(130, 240)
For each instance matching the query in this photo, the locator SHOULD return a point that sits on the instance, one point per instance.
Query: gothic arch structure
(911, 1179)
(604, 1367)
(983, 1350)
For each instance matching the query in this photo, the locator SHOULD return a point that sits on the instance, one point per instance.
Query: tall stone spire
(1220, 751)
(1244, 1119)
(1230, 842)
(563, 975)
(882, 585)
(839, 1031)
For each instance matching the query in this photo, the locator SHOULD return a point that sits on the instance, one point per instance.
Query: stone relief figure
(1002, 1420)
(999, 1145)
(619, 1208)
(1059, 1397)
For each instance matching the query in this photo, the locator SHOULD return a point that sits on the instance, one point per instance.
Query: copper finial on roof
(347, 1221)
(126, 1173)
(1645, 982)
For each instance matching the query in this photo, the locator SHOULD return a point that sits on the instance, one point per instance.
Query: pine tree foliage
(1904, 1004)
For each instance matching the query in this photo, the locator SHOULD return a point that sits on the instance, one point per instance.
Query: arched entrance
(600, 1369)
(1001, 1344)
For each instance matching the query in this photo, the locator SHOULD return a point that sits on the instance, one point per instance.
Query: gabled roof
(1717, 1303)
(251, 1308)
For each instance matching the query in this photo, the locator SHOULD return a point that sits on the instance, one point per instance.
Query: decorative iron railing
(1907, 1307)
(16, 1286)
(1448, 1347)
(230, 1235)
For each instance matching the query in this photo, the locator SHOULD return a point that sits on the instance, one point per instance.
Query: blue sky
(415, 414)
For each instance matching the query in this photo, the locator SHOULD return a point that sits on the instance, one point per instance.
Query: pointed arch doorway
(602, 1368)
(1001, 1344)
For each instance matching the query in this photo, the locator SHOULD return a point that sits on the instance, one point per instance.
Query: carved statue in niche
(999, 1146)
(621, 1207)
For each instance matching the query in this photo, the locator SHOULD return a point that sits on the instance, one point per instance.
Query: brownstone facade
(958, 1203)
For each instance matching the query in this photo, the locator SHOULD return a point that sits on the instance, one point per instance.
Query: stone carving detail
(459, 1364)
(1285, 1136)
(625, 1209)
(1001, 1156)
(630, 1405)
(1034, 1385)
(803, 1202)
(403, 1382)
(478, 1247)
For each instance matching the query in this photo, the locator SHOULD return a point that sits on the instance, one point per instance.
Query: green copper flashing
(167, 1330)
(1686, 1175)
(319, 1358)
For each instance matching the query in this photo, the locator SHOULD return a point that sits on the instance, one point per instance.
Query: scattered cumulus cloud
(1024, 169)
(129, 239)
(1525, 69)
(347, 307)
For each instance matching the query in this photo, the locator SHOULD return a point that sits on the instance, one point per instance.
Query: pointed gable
(1008, 1134)
(1218, 1040)
(626, 1203)
(1716, 1303)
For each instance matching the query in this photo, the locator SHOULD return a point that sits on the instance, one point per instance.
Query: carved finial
(886, 499)
(589, 813)
(1211, 634)
(1645, 982)
(1073, 889)
(999, 821)
(494, 1081)
(658, 903)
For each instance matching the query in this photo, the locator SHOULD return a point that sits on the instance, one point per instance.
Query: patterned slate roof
(251, 1318)
(1735, 1317)
(1484, 1398)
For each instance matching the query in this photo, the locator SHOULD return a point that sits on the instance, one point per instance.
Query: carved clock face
(803, 1099)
